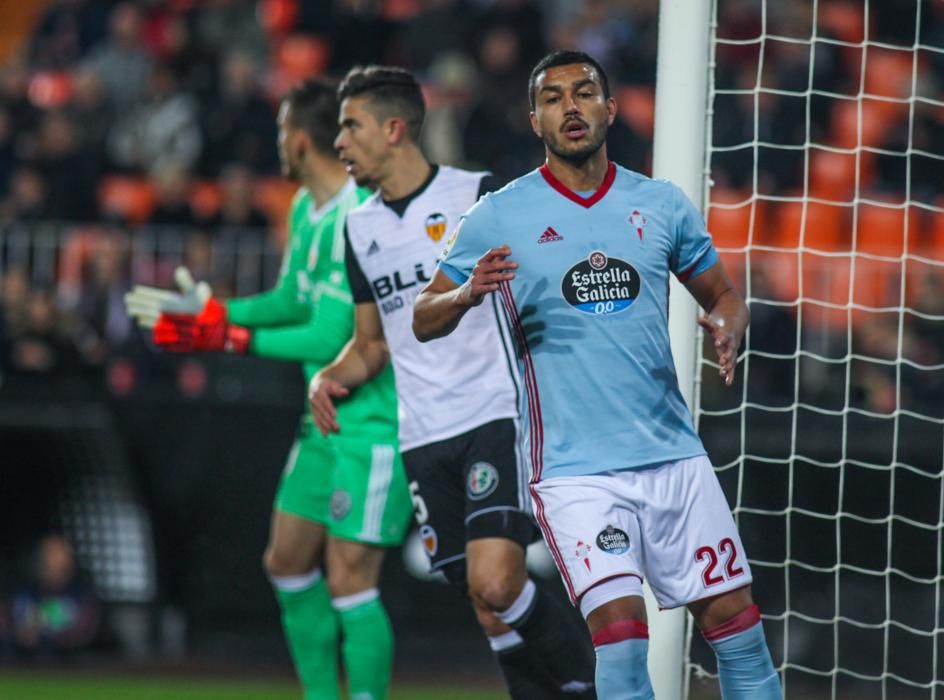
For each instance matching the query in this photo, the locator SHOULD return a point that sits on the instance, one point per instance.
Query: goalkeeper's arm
(362, 359)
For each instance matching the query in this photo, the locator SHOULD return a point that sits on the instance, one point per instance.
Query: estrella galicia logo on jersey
(340, 504)
(436, 226)
(600, 285)
(430, 539)
(612, 540)
(482, 481)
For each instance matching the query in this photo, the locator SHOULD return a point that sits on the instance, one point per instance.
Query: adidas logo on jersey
(373, 248)
(550, 236)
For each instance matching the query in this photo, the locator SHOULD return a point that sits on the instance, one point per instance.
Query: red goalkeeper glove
(208, 331)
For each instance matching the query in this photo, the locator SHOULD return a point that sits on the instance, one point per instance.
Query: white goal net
(825, 164)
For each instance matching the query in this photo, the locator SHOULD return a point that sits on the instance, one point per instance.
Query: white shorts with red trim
(669, 525)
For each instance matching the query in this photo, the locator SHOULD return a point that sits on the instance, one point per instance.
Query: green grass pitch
(63, 686)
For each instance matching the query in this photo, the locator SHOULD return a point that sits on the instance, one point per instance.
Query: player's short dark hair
(565, 58)
(392, 92)
(314, 109)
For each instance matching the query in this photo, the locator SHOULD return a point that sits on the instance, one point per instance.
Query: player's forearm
(301, 343)
(436, 314)
(277, 307)
(729, 309)
(358, 363)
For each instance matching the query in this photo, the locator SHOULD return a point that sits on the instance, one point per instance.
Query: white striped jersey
(451, 385)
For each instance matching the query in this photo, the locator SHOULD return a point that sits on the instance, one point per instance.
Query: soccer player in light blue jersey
(580, 251)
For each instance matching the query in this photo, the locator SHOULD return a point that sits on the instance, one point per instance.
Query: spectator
(119, 60)
(96, 294)
(162, 130)
(66, 32)
(70, 172)
(240, 125)
(172, 187)
(502, 109)
(89, 107)
(55, 613)
(237, 210)
(26, 198)
(44, 345)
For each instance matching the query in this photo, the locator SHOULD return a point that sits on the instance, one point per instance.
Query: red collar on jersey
(573, 196)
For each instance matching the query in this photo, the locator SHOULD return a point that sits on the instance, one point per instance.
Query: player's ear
(395, 130)
(610, 110)
(535, 126)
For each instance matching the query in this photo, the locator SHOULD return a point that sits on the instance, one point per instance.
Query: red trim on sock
(739, 623)
(620, 631)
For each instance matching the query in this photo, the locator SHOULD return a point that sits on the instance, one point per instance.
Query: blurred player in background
(458, 398)
(343, 500)
(621, 483)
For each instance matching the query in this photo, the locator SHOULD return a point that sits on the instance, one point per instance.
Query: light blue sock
(745, 668)
(621, 672)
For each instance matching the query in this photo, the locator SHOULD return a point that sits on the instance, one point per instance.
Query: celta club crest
(583, 552)
(638, 221)
(436, 226)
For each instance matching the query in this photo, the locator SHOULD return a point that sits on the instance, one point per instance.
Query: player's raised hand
(726, 343)
(321, 394)
(145, 304)
(492, 268)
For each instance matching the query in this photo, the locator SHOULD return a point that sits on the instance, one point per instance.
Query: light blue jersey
(589, 305)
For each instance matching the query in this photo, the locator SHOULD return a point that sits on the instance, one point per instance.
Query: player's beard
(576, 153)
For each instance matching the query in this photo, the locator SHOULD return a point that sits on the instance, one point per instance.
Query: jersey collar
(399, 205)
(316, 213)
(586, 202)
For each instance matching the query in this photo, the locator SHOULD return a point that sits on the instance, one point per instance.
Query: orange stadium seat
(821, 225)
(205, 198)
(301, 56)
(273, 195)
(730, 227)
(50, 89)
(843, 19)
(881, 229)
(934, 241)
(637, 106)
(278, 17)
(125, 197)
(888, 72)
(849, 129)
(832, 175)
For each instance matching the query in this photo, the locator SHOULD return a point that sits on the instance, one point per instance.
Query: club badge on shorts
(430, 540)
(340, 504)
(482, 481)
(612, 540)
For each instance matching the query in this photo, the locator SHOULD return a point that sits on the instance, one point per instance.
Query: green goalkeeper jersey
(308, 316)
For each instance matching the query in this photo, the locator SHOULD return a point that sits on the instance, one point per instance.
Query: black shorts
(468, 487)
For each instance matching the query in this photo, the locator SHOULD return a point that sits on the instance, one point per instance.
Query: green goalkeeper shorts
(355, 488)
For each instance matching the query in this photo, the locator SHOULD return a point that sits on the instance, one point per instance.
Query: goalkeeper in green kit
(343, 499)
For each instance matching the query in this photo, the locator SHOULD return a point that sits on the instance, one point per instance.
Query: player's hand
(321, 394)
(146, 304)
(726, 343)
(492, 268)
(208, 331)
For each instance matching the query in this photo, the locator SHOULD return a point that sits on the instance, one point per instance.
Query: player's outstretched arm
(360, 360)
(441, 305)
(726, 315)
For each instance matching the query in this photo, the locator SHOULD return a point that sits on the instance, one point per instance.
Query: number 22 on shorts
(711, 576)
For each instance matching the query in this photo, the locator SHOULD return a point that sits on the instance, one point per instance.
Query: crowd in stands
(154, 121)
